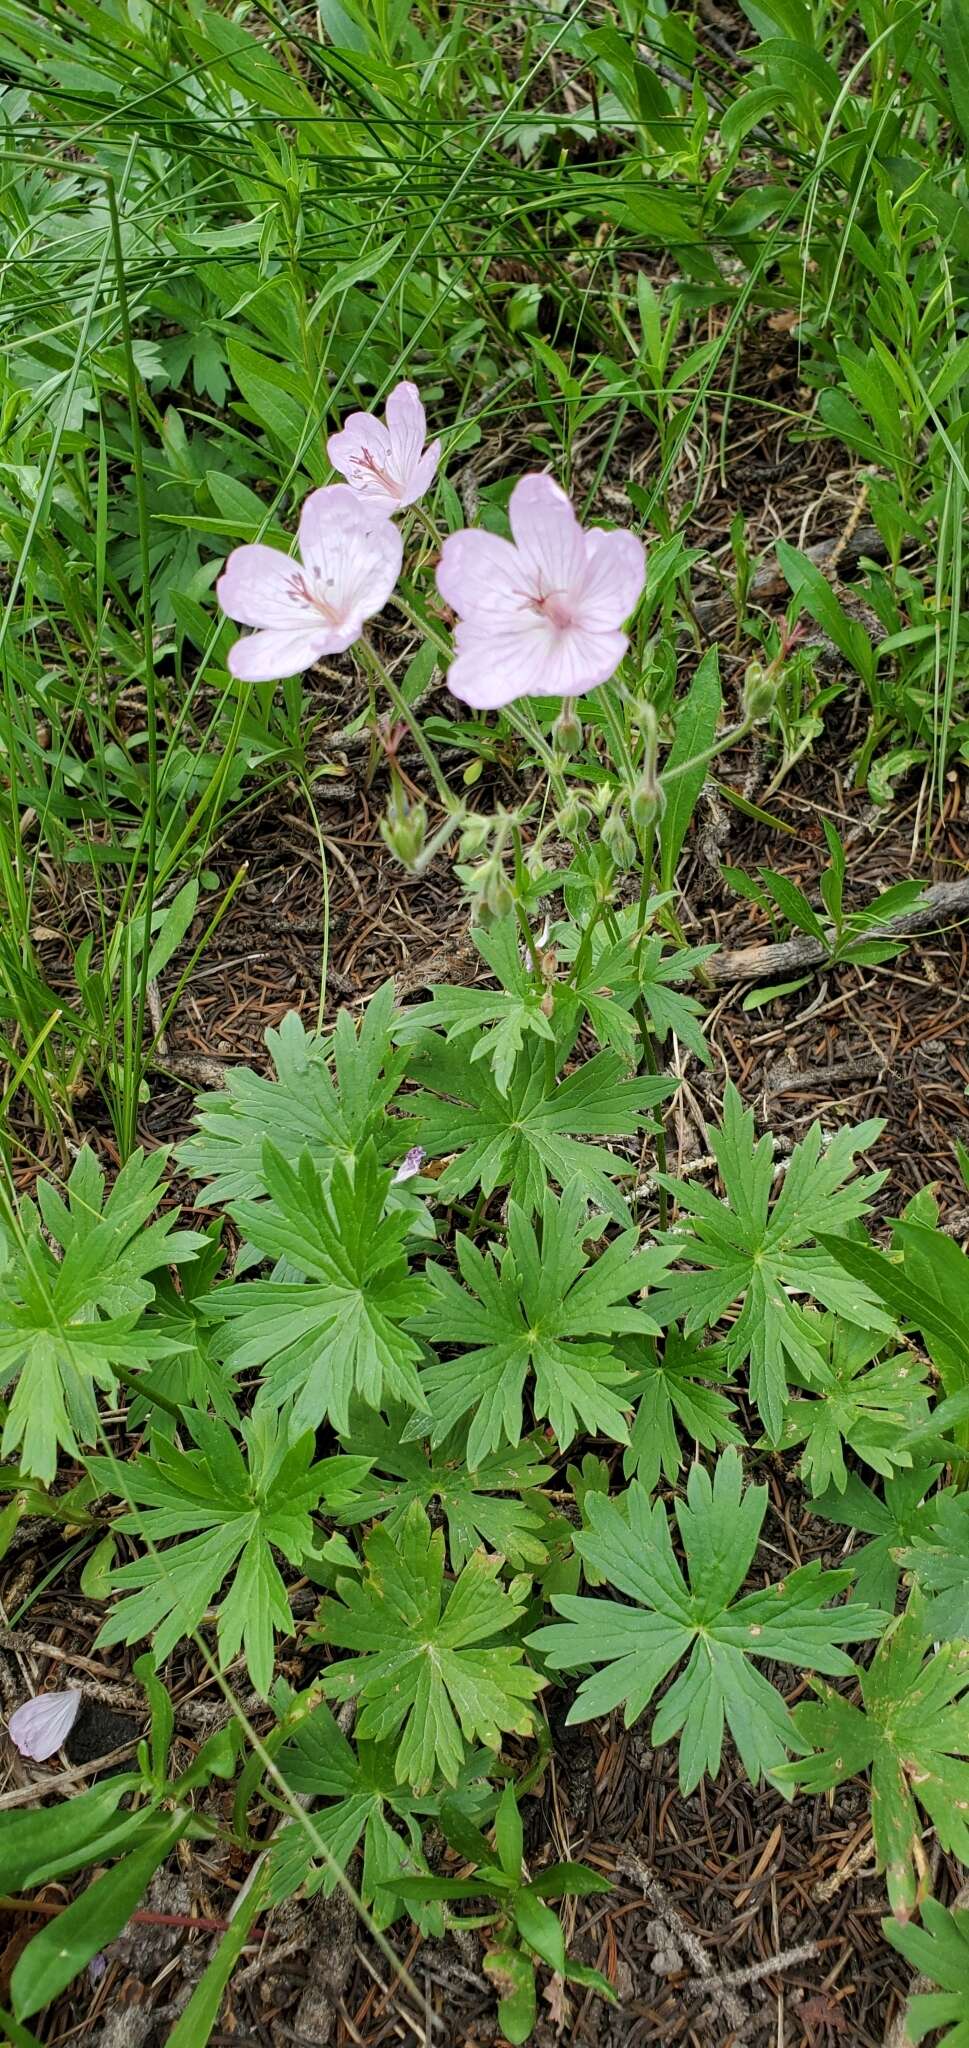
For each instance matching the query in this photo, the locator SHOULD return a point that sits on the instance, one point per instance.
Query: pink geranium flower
(539, 615)
(386, 462)
(304, 609)
(39, 1727)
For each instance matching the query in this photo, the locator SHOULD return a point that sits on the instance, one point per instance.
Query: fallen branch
(941, 902)
(768, 580)
(786, 1959)
(708, 1980)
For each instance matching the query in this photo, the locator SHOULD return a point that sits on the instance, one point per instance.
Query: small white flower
(39, 1727)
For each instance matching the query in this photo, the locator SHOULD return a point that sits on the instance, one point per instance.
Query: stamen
(366, 465)
(304, 593)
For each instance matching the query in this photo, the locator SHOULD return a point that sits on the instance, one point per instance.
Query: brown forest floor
(704, 1887)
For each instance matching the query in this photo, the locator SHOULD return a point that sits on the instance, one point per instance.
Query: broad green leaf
(91, 1921)
(912, 1732)
(514, 1979)
(211, 1518)
(540, 1310)
(430, 1662)
(77, 1831)
(767, 1254)
(338, 1332)
(700, 1618)
(541, 1929)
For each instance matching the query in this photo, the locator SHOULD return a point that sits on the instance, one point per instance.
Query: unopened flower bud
(404, 829)
(618, 839)
(567, 730)
(571, 817)
(647, 804)
(760, 691)
(492, 888)
(474, 838)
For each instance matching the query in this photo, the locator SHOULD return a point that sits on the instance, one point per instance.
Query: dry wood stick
(941, 902)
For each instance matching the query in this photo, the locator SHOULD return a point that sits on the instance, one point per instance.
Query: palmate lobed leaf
(212, 1517)
(856, 1399)
(677, 1389)
(698, 1617)
(912, 1732)
(939, 1952)
(67, 1323)
(524, 1138)
(481, 1504)
(430, 1667)
(500, 1019)
(902, 1515)
(330, 1096)
(619, 971)
(340, 1332)
(938, 1559)
(759, 1253)
(361, 1798)
(540, 1309)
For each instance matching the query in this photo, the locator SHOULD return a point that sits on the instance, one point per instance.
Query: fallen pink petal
(539, 615)
(303, 609)
(410, 1164)
(385, 462)
(42, 1724)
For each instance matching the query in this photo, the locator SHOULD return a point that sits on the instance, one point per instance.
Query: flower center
(552, 605)
(309, 593)
(367, 466)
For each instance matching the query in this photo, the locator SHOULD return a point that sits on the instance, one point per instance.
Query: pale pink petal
(361, 451)
(352, 560)
(497, 662)
(407, 428)
(583, 660)
(269, 657)
(422, 475)
(615, 571)
(326, 515)
(479, 571)
(39, 1727)
(410, 1164)
(547, 534)
(259, 586)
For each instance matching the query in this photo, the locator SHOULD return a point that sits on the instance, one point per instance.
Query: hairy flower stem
(521, 913)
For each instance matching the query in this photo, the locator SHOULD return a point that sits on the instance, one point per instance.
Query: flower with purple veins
(39, 1727)
(539, 615)
(385, 461)
(350, 562)
(410, 1164)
